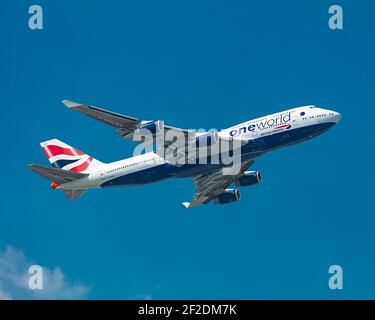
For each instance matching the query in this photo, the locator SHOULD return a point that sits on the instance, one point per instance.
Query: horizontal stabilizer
(57, 175)
(74, 193)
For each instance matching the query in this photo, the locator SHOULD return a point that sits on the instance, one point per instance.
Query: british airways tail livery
(74, 172)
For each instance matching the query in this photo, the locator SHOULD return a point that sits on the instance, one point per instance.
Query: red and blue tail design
(63, 156)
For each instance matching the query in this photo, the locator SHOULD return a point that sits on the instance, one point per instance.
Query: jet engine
(152, 126)
(230, 195)
(249, 178)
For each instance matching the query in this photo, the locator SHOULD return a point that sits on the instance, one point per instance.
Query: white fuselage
(263, 134)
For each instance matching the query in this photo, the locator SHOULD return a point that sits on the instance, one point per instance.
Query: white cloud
(14, 279)
(4, 296)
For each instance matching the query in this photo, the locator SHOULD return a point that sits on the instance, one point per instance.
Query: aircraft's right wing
(212, 184)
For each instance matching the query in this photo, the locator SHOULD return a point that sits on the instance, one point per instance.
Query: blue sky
(196, 64)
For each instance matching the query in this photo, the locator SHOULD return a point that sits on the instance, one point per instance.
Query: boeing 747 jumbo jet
(74, 172)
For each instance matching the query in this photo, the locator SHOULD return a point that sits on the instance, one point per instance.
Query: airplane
(74, 171)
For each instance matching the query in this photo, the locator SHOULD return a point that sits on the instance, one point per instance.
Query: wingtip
(186, 204)
(71, 104)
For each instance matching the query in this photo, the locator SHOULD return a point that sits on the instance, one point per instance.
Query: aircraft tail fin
(65, 157)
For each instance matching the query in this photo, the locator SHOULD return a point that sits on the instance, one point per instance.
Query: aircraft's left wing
(125, 125)
(212, 184)
(174, 149)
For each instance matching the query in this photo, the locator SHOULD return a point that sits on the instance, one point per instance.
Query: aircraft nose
(336, 117)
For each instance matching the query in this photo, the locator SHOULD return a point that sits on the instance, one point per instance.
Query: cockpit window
(302, 113)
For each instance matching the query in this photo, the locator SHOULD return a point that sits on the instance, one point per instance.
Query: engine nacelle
(230, 195)
(249, 178)
(207, 139)
(152, 126)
